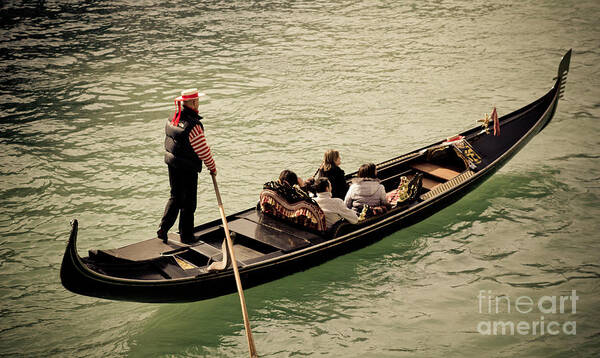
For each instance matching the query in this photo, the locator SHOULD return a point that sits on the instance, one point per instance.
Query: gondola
(268, 247)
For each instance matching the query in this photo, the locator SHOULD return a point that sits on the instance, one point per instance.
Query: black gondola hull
(520, 127)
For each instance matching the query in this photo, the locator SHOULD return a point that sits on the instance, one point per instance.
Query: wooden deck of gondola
(435, 170)
(140, 251)
(255, 237)
(266, 235)
(275, 224)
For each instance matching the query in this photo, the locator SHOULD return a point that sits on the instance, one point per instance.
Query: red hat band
(185, 96)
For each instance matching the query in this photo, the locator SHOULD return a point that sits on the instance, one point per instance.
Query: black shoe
(161, 234)
(189, 239)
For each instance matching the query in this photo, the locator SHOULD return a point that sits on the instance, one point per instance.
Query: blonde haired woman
(330, 168)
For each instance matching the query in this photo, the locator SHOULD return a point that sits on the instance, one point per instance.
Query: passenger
(334, 208)
(330, 169)
(366, 190)
(289, 186)
(290, 178)
(284, 199)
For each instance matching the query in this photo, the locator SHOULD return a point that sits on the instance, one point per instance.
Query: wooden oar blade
(221, 265)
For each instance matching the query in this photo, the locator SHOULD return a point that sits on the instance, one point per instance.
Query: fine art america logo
(545, 305)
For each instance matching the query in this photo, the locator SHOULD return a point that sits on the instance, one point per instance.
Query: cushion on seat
(303, 213)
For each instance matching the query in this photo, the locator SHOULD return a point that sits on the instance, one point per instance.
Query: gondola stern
(74, 230)
(71, 259)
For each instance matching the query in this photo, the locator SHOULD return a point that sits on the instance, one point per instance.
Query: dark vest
(179, 152)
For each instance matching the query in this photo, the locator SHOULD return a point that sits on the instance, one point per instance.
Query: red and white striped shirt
(198, 142)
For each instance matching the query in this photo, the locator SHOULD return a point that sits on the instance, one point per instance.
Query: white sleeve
(346, 213)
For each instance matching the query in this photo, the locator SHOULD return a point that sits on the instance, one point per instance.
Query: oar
(236, 272)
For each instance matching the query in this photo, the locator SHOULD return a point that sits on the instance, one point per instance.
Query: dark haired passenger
(289, 186)
(330, 169)
(333, 208)
(290, 178)
(366, 190)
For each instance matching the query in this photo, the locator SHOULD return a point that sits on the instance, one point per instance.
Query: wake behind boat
(268, 247)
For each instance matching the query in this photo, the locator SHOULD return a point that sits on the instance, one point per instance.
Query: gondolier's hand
(213, 173)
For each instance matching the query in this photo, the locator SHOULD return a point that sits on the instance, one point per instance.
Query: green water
(86, 89)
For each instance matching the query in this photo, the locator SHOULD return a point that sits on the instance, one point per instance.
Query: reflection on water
(85, 91)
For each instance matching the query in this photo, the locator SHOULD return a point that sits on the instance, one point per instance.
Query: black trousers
(184, 188)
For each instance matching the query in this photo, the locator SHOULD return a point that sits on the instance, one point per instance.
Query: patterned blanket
(292, 205)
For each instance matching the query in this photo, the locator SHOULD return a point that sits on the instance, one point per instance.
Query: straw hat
(186, 95)
(189, 94)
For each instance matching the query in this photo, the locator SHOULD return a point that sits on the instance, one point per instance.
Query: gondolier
(186, 149)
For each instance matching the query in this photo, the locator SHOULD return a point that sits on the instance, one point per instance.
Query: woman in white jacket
(366, 190)
(333, 208)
